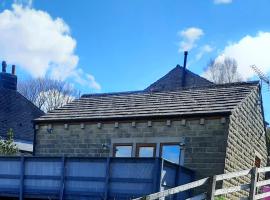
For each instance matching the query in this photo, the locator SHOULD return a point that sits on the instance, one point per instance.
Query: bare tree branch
(223, 71)
(47, 94)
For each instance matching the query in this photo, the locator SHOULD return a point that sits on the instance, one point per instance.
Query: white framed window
(122, 150)
(169, 148)
(146, 150)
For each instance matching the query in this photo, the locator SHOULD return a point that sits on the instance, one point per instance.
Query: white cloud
(222, 1)
(39, 44)
(27, 3)
(189, 37)
(92, 82)
(88, 81)
(248, 51)
(204, 50)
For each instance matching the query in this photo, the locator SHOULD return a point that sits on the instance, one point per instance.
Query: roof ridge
(197, 75)
(113, 93)
(174, 79)
(168, 91)
(161, 78)
(224, 85)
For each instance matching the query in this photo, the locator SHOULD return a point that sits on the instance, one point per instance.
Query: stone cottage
(16, 112)
(206, 127)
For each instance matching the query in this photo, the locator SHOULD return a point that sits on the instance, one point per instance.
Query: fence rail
(88, 178)
(212, 192)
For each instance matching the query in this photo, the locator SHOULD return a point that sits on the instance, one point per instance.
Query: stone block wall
(204, 149)
(213, 145)
(246, 140)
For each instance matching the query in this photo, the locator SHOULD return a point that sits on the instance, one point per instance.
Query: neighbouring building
(16, 112)
(210, 128)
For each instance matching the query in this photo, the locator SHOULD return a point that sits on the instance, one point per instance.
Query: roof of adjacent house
(173, 80)
(210, 100)
(17, 113)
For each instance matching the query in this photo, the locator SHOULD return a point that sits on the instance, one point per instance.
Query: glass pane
(123, 151)
(171, 153)
(146, 151)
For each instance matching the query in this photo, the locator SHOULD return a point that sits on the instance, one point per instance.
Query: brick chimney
(8, 80)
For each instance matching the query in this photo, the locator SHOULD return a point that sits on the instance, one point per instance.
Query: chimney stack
(184, 69)
(4, 66)
(13, 69)
(8, 80)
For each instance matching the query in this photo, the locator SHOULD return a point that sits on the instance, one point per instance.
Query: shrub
(7, 146)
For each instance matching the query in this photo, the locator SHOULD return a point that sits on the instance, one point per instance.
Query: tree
(224, 71)
(7, 146)
(46, 93)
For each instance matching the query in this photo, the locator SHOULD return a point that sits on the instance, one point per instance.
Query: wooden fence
(252, 187)
(88, 178)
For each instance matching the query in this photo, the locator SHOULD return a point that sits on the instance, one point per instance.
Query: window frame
(170, 144)
(138, 145)
(122, 144)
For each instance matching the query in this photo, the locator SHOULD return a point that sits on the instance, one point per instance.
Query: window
(170, 152)
(122, 150)
(146, 150)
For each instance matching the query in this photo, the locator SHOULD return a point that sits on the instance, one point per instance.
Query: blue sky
(123, 45)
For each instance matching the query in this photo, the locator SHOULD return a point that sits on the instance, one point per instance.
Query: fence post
(22, 178)
(107, 178)
(160, 170)
(62, 184)
(176, 179)
(212, 188)
(253, 183)
(156, 175)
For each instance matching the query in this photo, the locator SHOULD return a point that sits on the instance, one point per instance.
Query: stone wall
(246, 140)
(204, 149)
(213, 145)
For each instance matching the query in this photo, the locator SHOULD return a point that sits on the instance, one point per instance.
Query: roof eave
(154, 117)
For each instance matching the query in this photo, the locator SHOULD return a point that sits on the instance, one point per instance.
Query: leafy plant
(7, 146)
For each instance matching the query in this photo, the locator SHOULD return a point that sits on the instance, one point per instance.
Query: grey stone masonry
(204, 149)
(214, 143)
(246, 140)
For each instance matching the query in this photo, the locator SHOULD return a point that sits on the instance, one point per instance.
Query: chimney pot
(13, 69)
(4, 66)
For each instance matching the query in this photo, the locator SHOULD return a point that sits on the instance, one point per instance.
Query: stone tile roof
(212, 99)
(173, 80)
(17, 112)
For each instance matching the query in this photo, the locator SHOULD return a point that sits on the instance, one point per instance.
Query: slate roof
(173, 80)
(211, 99)
(17, 112)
